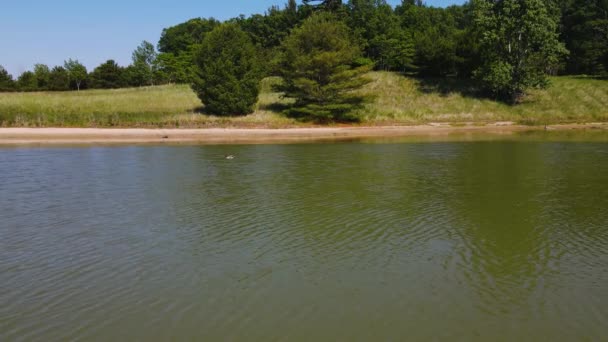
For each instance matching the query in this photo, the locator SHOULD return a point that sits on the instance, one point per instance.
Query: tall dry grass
(396, 100)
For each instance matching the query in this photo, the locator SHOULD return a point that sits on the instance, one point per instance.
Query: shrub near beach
(228, 75)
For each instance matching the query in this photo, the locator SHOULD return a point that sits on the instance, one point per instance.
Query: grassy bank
(407, 100)
(397, 100)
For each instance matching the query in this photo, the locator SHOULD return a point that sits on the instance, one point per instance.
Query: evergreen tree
(6, 80)
(317, 67)
(519, 45)
(108, 75)
(228, 71)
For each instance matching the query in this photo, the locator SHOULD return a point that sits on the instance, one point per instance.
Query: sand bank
(19, 136)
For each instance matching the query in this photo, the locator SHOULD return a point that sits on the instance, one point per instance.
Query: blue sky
(43, 31)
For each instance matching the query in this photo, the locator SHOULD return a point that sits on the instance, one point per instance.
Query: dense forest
(320, 48)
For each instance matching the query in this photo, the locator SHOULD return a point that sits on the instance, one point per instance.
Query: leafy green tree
(180, 38)
(59, 79)
(585, 33)
(108, 75)
(468, 55)
(368, 19)
(76, 71)
(317, 65)
(328, 5)
(228, 71)
(42, 73)
(269, 29)
(130, 77)
(6, 80)
(177, 46)
(175, 69)
(519, 45)
(393, 51)
(435, 36)
(144, 63)
(380, 34)
(27, 82)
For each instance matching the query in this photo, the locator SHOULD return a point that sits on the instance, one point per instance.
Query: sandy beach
(24, 136)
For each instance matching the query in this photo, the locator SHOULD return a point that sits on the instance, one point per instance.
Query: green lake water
(501, 238)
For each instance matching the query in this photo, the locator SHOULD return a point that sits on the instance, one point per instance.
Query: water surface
(470, 240)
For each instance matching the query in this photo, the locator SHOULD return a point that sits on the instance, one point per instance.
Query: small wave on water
(467, 240)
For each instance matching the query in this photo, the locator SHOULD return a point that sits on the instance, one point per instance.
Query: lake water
(500, 239)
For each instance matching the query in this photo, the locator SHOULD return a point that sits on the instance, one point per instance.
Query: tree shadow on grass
(469, 88)
(445, 86)
(284, 110)
(276, 107)
(202, 111)
(590, 77)
(340, 111)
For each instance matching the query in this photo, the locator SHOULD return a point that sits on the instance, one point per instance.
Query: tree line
(73, 75)
(321, 47)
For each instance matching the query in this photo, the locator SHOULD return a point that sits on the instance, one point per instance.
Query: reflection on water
(483, 240)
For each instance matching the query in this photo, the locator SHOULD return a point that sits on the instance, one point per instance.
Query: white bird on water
(230, 157)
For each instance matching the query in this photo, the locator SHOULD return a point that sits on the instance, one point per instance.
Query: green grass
(400, 99)
(160, 106)
(396, 100)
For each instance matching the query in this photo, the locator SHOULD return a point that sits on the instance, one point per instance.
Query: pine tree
(6, 80)
(317, 65)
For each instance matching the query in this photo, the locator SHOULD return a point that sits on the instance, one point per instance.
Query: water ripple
(323, 241)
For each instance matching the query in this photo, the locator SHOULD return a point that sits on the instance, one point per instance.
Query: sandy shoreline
(21, 136)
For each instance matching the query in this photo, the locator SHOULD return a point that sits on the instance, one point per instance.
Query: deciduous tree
(519, 45)
(27, 81)
(59, 79)
(42, 73)
(177, 46)
(179, 38)
(585, 33)
(144, 63)
(330, 5)
(380, 34)
(76, 72)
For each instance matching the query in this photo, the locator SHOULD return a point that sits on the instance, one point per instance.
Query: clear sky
(48, 32)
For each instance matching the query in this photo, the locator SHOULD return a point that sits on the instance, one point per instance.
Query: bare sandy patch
(17, 136)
